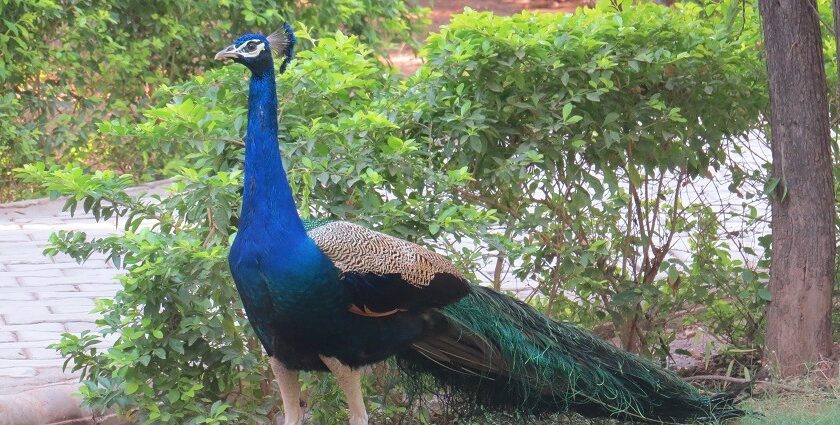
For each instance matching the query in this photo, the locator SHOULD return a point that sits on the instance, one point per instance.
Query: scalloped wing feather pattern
(354, 248)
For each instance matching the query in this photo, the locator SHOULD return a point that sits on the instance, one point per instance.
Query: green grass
(794, 409)
(817, 408)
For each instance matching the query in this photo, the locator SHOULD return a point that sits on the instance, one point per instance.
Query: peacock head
(254, 50)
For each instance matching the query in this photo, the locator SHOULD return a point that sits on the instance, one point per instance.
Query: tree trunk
(835, 7)
(802, 269)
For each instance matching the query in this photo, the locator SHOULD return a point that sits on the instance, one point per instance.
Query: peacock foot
(359, 420)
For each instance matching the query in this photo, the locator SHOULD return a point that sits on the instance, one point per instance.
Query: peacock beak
(228, 52)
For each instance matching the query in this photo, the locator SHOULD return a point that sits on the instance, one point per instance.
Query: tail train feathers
(500, 353)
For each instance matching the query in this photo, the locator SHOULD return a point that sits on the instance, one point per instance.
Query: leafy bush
(65, 65)
(557, 145)
(583, 131)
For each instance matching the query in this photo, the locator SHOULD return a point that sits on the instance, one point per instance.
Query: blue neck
(267, 200)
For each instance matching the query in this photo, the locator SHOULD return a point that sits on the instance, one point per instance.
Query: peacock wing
(384, 274)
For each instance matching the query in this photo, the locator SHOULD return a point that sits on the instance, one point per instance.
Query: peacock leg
(350, 382)
(289, 385)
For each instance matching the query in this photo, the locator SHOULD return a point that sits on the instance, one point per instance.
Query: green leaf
(567, 109)
(764, 294)
(131, 387)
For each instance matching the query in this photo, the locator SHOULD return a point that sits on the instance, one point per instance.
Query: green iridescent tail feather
(499, 353)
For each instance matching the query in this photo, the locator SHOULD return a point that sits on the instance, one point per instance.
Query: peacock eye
(251, 46)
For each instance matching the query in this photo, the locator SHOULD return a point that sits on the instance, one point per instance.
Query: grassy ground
(818, 408)
(799, 409)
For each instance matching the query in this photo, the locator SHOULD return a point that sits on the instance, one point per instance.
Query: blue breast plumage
(302, 305)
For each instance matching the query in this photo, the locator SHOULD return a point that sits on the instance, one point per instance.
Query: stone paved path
(43, 297)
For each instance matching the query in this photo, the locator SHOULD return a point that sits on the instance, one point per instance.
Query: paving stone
(22, 308)
(61, 267)
(77, 327)
(36, 272)
(34, 221)
(7, 235)
(17, 372)
(9, 354)
(99, 287)
(42, 353)
(73, 308)
(34, 363)
(15, 296)
(39, 327)
(24, 319)
(49, 281)
(16, 345)
(54, 302)
(8, 281)
(90, 264)
(47, 289)
(73, 294)
(103, 273)
(24, 258)
(22, 246)
(40, 336)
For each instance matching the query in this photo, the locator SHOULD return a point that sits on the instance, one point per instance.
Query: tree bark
(835, 7)
(802, 269)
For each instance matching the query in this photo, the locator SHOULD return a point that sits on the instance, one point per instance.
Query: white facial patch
(251, 48)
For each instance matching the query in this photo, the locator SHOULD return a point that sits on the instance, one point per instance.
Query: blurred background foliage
(66, 65)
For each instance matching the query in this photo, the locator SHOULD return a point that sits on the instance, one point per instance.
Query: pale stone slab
(53, 302)
(22, 308)
(25, 258)
(13, 236)
(74, 294)
(99, 287)
(54, 280)
(15, 296)
(77, 327)
(36, 267)
(40, 327)
(8, 281)
(73, 308)
(42, 353)
(17, 372)
(103, 273)
(36, 363)
(9, 354)
(34, 273)
(51, 288)
(25, 344)
(40, 336)
(23, 319)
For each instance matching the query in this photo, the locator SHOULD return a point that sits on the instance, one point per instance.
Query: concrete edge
(51, 404)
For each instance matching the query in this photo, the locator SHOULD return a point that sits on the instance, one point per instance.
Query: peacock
(335, 296)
